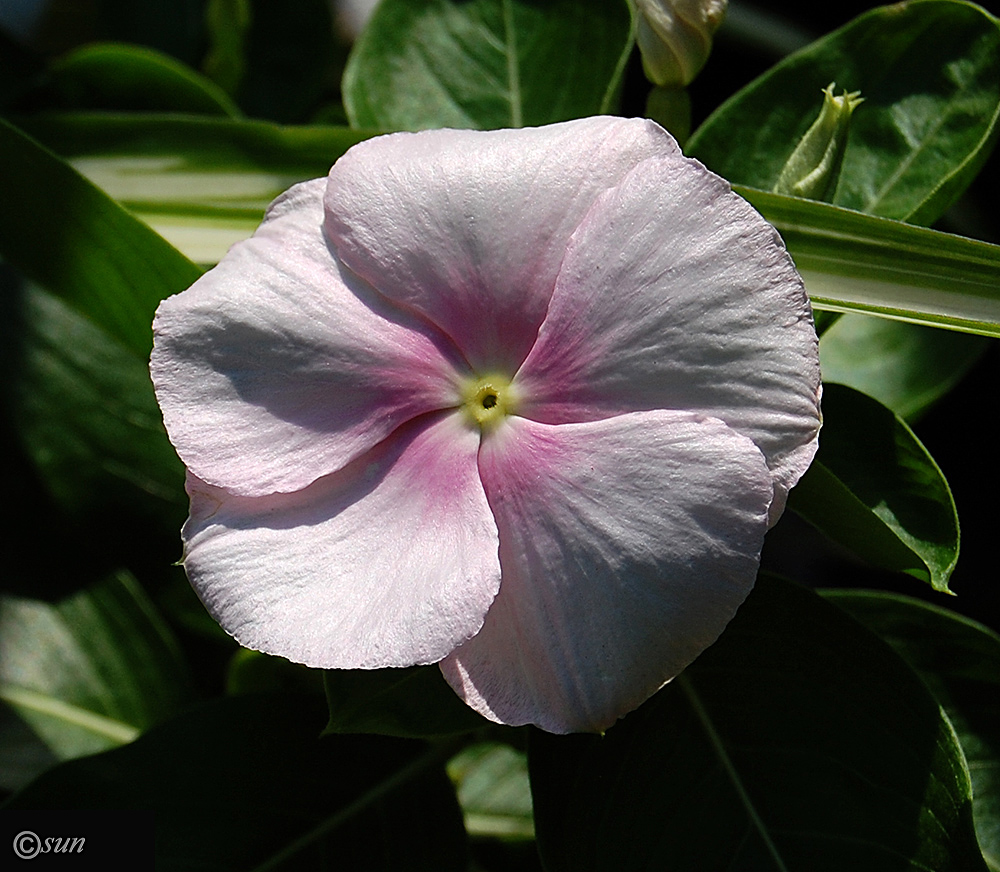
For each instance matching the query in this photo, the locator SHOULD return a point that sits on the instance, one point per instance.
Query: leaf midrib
(727, 764)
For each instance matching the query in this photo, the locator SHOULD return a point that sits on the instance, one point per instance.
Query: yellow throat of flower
(487, 400)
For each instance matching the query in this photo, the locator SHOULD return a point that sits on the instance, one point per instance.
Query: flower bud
(675, 37)
(813, 168)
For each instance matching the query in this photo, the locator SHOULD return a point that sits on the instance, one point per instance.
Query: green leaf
(874, 489)
(798, 741)
(930, 75)
(74, 240)
(202, 183)
(245, 783)
(83, 407)
(412, 702)
(959, 660)
(486, 63)
(929, 72)
(112, 76)
(859, 263)
(493, 790)
(903, 366)
(90, 672)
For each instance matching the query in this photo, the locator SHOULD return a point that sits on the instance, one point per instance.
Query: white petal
(626, 546)
(469, 227)
(391, 561)
(280, 366)
(676, 294)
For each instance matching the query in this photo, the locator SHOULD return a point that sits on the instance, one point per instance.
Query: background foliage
(849, 716)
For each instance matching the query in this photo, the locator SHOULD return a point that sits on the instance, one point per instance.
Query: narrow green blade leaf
(90, 672)
(246, 784)
(202, 183)
(798, 741)
(412, 702)
(486, 63)
(859, 263)
(206, 182)
(959, 660)
(64, 233)
(929, 72)
(874, 489)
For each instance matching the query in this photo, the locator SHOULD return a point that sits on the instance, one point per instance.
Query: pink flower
(518, 402)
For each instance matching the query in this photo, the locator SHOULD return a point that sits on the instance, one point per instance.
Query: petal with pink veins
(469, 227)
(676, 294)
(389, 562)
(627, 545)
(279, 366)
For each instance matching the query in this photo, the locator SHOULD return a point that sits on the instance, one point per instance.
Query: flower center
(487, 400)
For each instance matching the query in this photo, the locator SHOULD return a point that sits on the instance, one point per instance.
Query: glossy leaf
(112, 76)
(493, 791)
(798, 741)
(874, 489)
(959, 660)
(74, 240)
(83, 406)
(486, 63)
(903, 366)
(929, 72)
(246, 783)
(88, 673)
(202, 183)
(860, 263)
(412, 702)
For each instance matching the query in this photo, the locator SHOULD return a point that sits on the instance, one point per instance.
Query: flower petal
(279, 366)
(676, 294)
(626, 545)
(389, 562)
(469, 227)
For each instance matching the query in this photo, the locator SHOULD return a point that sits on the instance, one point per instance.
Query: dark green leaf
(904, 366)
(960, 662)
(111, 76)
(88, 673)
(929, 72)
(798, 741)
(874, 489)
(486, 63)
(74, 240)
(84, 409)
(254, 672)
(246, 783)
(415, 701)
(494, 791)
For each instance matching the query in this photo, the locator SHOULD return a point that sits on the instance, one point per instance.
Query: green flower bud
(813, 168)
(675, 37)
